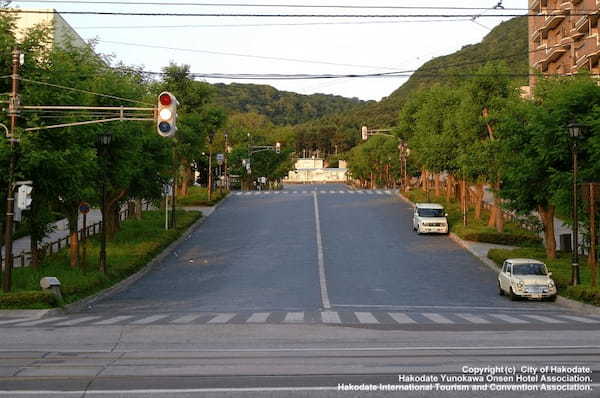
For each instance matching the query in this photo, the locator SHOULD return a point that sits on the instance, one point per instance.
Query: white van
(430, 218)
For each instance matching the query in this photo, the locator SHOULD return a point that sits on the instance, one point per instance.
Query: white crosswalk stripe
(437, 318)
(221, 318)
(259, 317)
(41, 321)
(508, 318)
(113, 320)
(330, 317)
(294, 317)
(581, 319)
(148, 319)
(545, 319)
(401, 318)
(186, 319)
(365, 317)
(8, 322)
(76, 321)
(370, 192)
(473, 319)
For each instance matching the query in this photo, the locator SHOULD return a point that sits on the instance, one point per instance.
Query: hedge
(503, 238)
(30, 299)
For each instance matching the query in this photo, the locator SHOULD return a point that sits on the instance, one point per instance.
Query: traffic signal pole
(10, 193)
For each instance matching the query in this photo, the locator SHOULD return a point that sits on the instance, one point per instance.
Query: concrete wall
(61, 32)
(316, 175)
(309, 163)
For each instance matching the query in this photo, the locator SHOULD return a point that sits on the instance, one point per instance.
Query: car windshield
(431, 212)
(529, 269)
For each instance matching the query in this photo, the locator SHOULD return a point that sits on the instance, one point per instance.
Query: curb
(560, 300)
(116, 288)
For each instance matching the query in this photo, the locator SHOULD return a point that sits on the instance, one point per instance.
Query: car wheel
(552, 298)
(512, 294)
(500, 291)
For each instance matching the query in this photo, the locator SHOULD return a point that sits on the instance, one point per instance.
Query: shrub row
(501, 238)
(583, 293)
(28, 299)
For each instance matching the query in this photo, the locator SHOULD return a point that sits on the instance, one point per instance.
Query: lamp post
(576, 133)
(104, 140)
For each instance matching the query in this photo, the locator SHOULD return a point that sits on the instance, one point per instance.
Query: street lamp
(103, 141)
(576, 133)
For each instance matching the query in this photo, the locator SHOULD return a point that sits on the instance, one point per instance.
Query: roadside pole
(10, 194)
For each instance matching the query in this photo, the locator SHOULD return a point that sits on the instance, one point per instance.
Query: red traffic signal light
(166, 115)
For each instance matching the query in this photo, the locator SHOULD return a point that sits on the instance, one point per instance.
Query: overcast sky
(259, 45)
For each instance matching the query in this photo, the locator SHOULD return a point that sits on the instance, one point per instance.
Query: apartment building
(563, 36)
(60, 31)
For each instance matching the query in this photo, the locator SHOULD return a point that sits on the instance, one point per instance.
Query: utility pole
(209, 167)
(225, 162)
(10, 193)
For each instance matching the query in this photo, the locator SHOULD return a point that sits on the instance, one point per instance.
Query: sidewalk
(60, 231)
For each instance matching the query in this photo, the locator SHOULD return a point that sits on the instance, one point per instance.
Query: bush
(28, 300)
(504, 238)
(198, 196)
(584, 293)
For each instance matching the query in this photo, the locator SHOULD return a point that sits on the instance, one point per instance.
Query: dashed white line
(259, 317)
(365, 317)
(473, 318)
(77, 321)
(113, 320)
(581, 319)
(401, 318)
(330, 317)
(437, 318)
(40, 321)
(508, 318)
(186, 319)
(294, 317)
(545, 319)
(222, 318)
(148, 319)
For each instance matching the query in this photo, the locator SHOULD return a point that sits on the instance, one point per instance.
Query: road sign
(263, 180)
(220, 158)
(24, 197)
(84, 208)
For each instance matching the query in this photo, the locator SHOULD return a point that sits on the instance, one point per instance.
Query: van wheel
(500, 291)
(512, 294)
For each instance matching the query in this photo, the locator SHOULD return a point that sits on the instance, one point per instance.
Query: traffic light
(167, 114)
(278, 147)
(24, 197)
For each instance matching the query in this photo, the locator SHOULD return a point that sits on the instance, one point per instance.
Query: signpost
(84, 208)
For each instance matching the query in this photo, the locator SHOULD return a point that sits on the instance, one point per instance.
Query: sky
(286, 45)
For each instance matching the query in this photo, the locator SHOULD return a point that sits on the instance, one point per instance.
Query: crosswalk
(297, 192)
(309, 317)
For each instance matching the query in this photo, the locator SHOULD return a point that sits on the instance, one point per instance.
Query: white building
(309, 170)
(60, 31)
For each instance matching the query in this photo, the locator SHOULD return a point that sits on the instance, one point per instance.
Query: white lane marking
(148, 319)
(276, 192)
(380, 193)
(40, 321)
(294, 317)
(77, 321)
(330, 317)
(388, 192)
(304, 192)
(222, 318)
(238, 193)
(433, 307)
(401, 318)
(370, 192)
(322, 278)
(437, 318)
(15, 321)
(257, 193)
(342, 191)
(472, 318)
(186, 318)
(366, 317)
(259, 317)
(350, 192)
(360, 192)
(285, 192)
(112, 321)
(581, 319)
(248, 193)
(545, 319)
(508, 318)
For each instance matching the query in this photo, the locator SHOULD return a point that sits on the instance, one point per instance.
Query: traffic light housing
(24, 197)
(166, 114)
(278, 147)
(365, 133)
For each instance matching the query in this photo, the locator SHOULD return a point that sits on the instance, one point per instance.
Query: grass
(134, 246)
(198, 196)
(561, 272)
(478, 230)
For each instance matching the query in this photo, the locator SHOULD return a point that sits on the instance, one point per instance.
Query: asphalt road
(292, 293)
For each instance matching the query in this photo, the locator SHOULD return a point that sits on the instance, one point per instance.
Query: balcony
(587, 60)
(554, 54)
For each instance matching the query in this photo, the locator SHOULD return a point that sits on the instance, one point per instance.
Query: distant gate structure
(313, 170)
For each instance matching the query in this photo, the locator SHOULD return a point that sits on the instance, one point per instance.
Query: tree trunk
(592, 255)
(113, 223)
(73, 221)
(547, 217)
(479, 192)
(436, 183)
(186, 178)
(498, 205)
(138, 209)
(449, 183)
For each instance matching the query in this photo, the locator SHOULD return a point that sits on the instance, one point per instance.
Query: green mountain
(282, 107)
(506, 43)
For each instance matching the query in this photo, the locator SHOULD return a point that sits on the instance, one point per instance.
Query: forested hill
(282, 107)
(505, 43)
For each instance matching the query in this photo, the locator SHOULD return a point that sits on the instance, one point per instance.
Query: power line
(270, 24)
(246, 55)
(245, 5)
(85, 91)
(168, 14)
